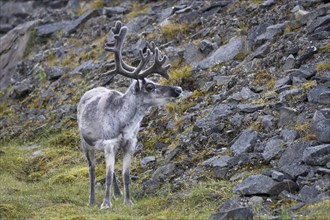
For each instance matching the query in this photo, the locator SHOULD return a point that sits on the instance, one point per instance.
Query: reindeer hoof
(116, 196)
(106, 205)
(129, 202)
(92, 204)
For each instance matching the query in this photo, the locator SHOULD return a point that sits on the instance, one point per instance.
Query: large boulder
(263, 185)
(245, 142)
(234, 209)
(13, 46)
(317, 155)
(222, 54)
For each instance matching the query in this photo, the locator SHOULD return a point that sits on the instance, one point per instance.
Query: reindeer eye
(150, 87)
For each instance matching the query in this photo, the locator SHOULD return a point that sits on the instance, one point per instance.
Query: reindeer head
(148, 91)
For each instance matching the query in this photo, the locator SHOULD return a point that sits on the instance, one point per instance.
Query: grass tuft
(323, 66)
(172, 30)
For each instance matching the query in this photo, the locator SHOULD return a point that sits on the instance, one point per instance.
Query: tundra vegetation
(255, 108)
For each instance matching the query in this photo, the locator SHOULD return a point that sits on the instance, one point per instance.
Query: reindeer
(109, 120)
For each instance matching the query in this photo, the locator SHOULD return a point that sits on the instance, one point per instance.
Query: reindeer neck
(133, 106)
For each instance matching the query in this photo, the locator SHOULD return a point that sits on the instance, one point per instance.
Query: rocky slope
(256, 76)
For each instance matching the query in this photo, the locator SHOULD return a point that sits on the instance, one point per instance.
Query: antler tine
(157, 66)
(143, 63)
(131, 72)
(116, 47)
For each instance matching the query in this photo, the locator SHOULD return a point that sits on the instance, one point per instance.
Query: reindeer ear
(137, 86)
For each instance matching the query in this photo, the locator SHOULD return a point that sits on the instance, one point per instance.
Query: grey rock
(37, 153)
(321, 35)
(262, 51)
(287, 195)
(73, 25)
(73, 5)
(144, 161)
(320, 11)
(287, 116)
(151, 186)
(295, 170)
(247, 94)
(48, 29)
(273, 149)
(21, 89)
(278, 176)
(244, 94)
(268, 3)
(322, 184)
(55, 72)
(222, 54)
(293, 154)
(317, 155)
(289, 62)
(244, 159)
(4, 28)
(317, 23)
(321, 127)
(267, 122)
(286, 95)
(319, 94)
(111, 11)
(192, 54)
(299, 73)
(249, 108)
(245, 142)
(271, 32)
(233, 214)
(164, 171)
(136, 24)
(238, 176)
(171, 154)
(174, 54)
(17, 9)
(289, 135)
(12, 49)
(282, 82)
(236, 120)
(233, 208)
(220, 172)
(263, 185)
(206, 46)
(212, 120)
(86, 67)
(222, 80)
(308, 53)
(308, 194)
(217, 161)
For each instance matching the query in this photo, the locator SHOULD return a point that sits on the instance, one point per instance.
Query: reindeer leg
(127, 160)
(109, 152)
(116, 190)
(90, 156)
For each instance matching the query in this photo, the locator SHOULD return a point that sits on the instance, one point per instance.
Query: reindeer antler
(136, 72)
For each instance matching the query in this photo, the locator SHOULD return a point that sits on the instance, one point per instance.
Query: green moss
(67, 138)
(323, 66)
(138, 8)
(264, 78)
(178, 75)
(241, 56)
(65, 178)
(42, 74)
(7, 211)
(31, 42)
(172, 30)
(319, 210)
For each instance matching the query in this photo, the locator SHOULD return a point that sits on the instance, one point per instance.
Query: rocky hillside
(252, 131)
